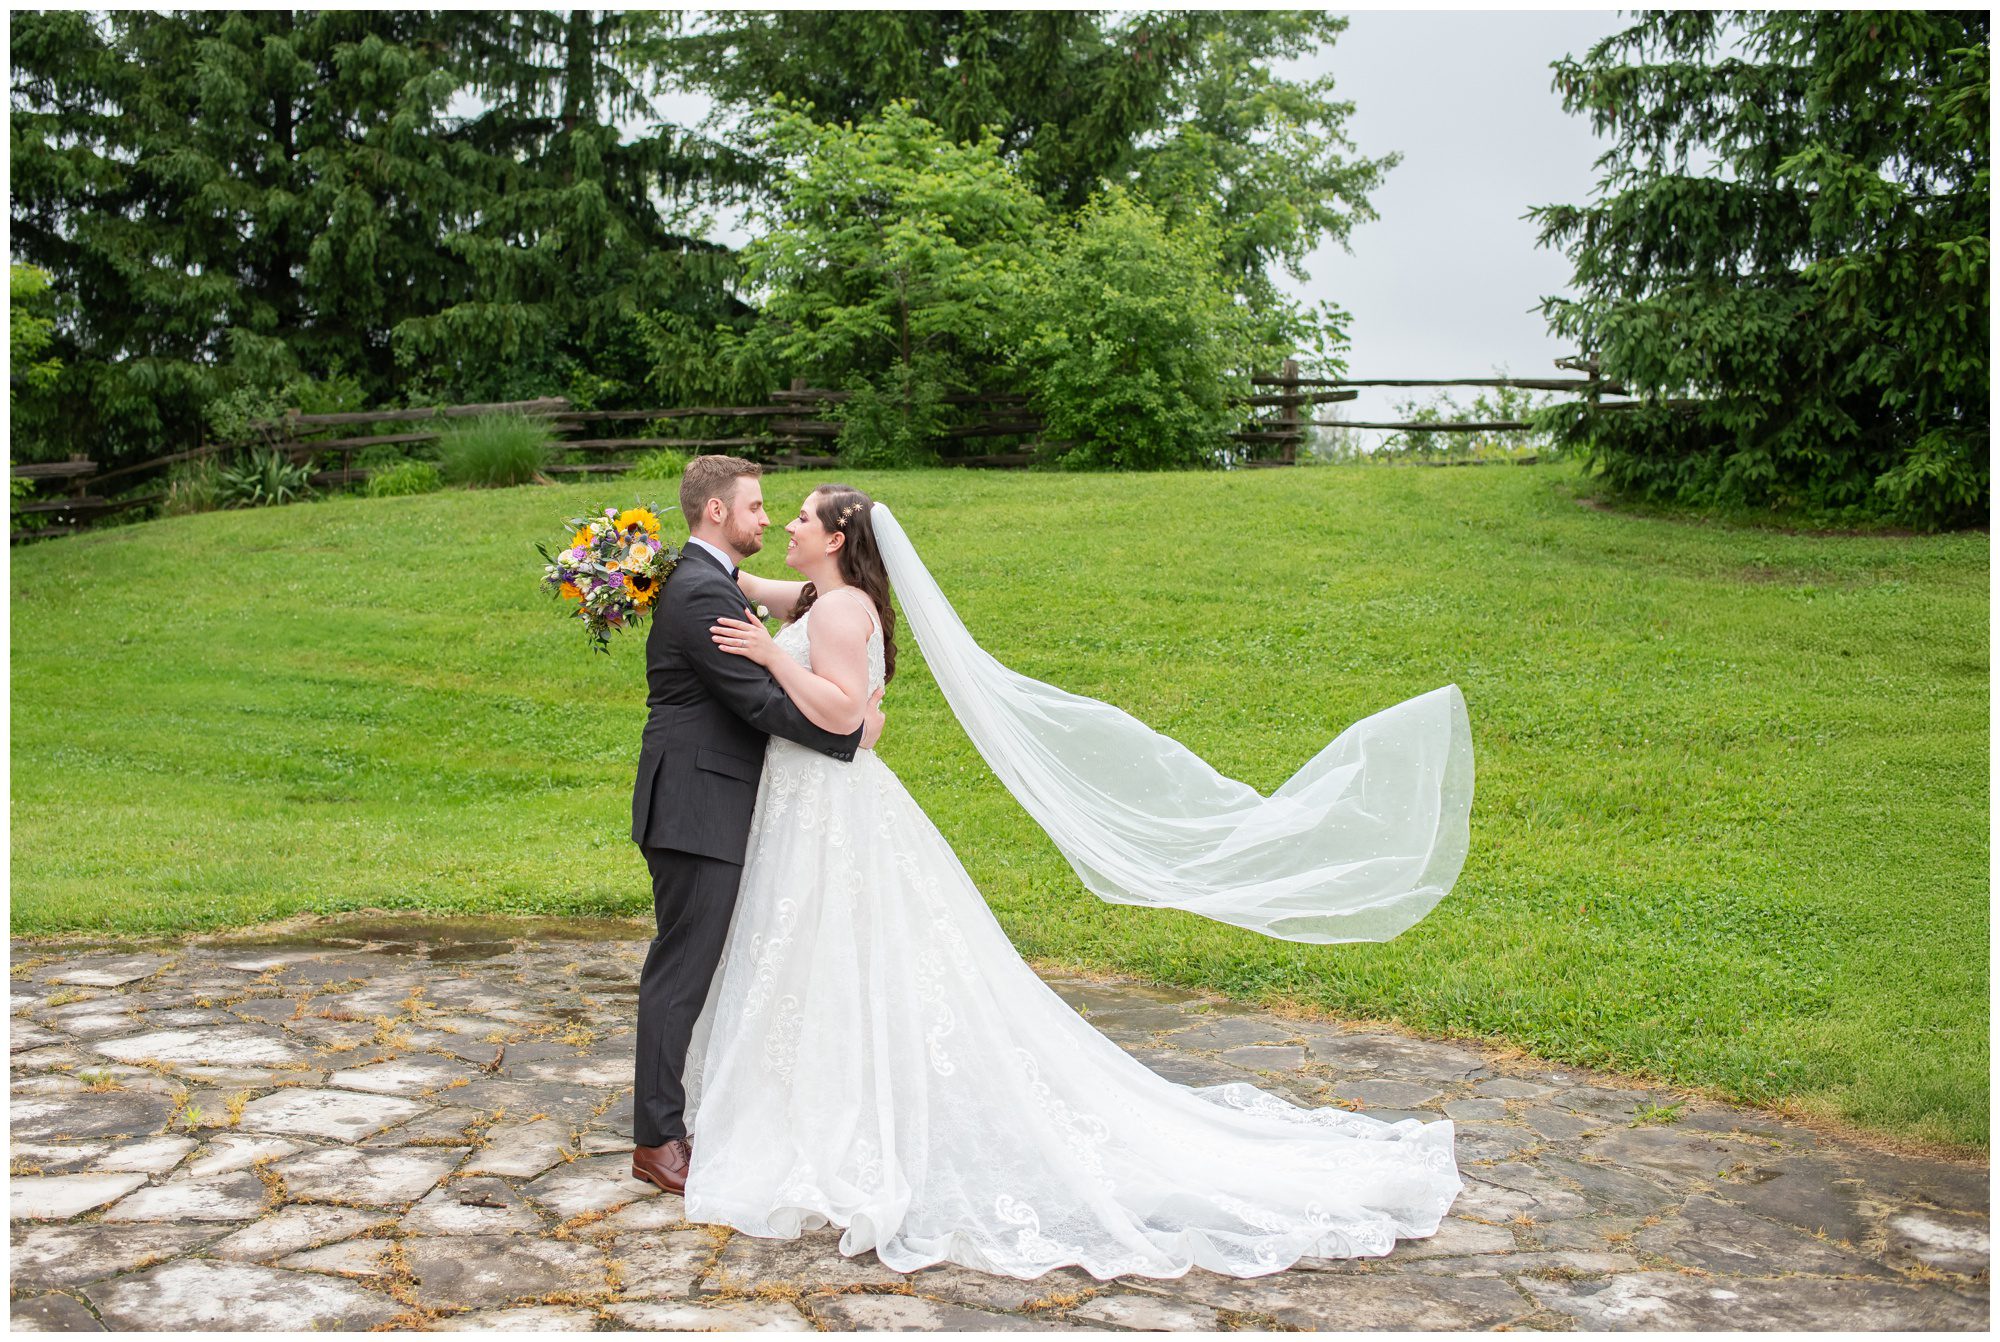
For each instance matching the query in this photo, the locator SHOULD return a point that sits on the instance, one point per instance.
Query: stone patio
(422, 1124)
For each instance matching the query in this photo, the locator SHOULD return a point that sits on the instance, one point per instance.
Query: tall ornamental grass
(494, 451)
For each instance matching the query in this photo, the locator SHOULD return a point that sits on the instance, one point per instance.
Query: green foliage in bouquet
(611, 570)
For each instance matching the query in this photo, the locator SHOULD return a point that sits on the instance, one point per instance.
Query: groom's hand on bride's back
(873, 721)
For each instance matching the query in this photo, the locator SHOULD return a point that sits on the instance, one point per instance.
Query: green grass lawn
(1731, 826)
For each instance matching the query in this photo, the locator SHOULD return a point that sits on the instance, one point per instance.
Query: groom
(708, 717)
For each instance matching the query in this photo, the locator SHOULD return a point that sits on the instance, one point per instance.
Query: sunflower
(580, 538)
(640, 517)
(643, 588)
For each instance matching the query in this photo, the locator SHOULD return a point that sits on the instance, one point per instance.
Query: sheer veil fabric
(874, 1054)
(1358, 845)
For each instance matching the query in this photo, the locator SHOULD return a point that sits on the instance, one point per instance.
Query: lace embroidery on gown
(874, 1054)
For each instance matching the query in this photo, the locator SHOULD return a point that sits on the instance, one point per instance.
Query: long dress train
(874, 1054)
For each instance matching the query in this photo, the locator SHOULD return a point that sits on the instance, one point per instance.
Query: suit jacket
(709, 715)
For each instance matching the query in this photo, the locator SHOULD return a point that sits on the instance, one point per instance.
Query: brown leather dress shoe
(665, 1164)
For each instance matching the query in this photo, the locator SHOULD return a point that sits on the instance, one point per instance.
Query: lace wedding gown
(874, 1054)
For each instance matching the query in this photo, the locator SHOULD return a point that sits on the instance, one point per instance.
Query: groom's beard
(745, 542)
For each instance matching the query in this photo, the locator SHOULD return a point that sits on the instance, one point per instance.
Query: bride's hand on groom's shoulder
(746, 637)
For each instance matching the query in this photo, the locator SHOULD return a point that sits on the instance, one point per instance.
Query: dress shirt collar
(728, 564)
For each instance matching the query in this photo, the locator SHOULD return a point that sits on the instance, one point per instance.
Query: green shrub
(405, 477)
(896, 423)
(19, 490)
(1501, 404)
(494, 451)
(887, 265)
(1133, 344)
(666, 464)
(262, 477)
(193, 487)
(233, 415)
(32, 330)
(381, 456)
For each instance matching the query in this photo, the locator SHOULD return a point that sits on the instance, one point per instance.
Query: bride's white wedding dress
(874, 1054)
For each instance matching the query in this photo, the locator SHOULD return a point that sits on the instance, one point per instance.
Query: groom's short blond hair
(713, 477)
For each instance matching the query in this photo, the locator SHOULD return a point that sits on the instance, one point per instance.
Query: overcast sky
(1446, 282)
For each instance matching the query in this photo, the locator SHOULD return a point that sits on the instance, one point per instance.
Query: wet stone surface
(422, 1124)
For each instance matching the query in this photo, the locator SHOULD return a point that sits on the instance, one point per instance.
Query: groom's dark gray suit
(709, 715)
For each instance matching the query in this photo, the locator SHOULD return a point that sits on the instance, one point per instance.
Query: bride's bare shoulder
(854, 600)
(844, 614)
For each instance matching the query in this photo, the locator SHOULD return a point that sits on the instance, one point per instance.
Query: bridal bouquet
(612, 569)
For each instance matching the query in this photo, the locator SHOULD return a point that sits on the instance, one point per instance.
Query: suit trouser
(694, 898)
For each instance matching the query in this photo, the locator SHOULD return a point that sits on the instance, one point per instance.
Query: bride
(873, 1053)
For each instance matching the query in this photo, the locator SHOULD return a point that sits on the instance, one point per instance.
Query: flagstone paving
(423, 1124)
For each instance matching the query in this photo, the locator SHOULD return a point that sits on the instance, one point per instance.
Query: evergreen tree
(1183, 106)
(241, 206)
(223, 199)
(1060, 83)
(576, 242)
(1821, 293)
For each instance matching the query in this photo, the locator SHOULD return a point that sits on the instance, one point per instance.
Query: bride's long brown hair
(845, 509)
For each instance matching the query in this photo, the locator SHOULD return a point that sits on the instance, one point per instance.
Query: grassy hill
(1731, 827)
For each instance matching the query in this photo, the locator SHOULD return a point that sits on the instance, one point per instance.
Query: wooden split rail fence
(74, 505)
(791, 430)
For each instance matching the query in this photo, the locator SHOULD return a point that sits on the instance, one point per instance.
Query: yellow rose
(638, 555)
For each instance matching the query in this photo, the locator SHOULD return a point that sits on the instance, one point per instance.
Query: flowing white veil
(1358, 845)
